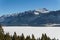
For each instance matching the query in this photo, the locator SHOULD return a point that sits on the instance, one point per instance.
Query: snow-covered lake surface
(37, 31)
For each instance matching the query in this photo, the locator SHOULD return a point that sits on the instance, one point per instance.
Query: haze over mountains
(40, 17)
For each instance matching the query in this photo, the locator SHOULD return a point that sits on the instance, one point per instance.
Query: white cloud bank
(37, 31)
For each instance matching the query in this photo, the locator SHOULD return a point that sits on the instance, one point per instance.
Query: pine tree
(28, 38)
(15, 37)
(44, 37)
(22, 37)
(48, 38)
(54, 39)
(19, 38)
(38, 39)
(33, 38)
(1, 29)
(1, 33)
(8, 37)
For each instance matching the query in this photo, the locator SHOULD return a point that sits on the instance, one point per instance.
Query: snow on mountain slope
(43, 10)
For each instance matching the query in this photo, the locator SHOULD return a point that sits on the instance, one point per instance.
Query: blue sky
(14, 6)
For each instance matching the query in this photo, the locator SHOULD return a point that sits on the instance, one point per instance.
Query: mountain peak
(43, 10)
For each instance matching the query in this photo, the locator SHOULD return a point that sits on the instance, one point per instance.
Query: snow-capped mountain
(44, 10)
(38, 11)
(31, 18)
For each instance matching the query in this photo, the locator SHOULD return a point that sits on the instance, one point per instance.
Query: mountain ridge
(31, 18)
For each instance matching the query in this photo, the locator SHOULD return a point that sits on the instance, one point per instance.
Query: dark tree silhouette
(15, 37)
(22, 37)
(44, 37)
(28, 38)
(7, 37)
(1, 29)
(33, 38)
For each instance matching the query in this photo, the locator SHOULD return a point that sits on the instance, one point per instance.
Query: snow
(43, 10)
(36, 13)
(37, 31)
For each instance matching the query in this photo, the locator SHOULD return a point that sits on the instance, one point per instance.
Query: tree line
(21, 37)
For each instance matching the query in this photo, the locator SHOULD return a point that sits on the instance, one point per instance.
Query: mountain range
(39, 17)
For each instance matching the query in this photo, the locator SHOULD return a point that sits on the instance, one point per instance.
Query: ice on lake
(37, 31)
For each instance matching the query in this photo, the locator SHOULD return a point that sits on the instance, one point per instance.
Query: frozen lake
(37, 31)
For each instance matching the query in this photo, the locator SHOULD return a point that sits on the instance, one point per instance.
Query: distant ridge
(40, 17)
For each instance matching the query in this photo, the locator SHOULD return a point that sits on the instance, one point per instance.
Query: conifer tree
(19, 38)
(33, 38)
(48, 38)
(44, 37)
(53, 39)
(8, 37)
(1, 33)
(38, 39)
(15, 37)
(22, 37)
(28, 38)
(1, 29)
